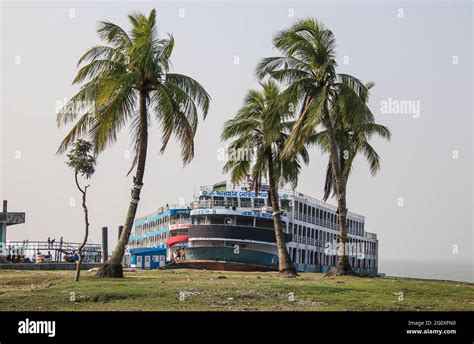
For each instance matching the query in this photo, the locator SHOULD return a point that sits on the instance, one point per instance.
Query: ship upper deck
(241, 190)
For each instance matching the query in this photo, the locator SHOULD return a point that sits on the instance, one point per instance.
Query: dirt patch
(104, 298)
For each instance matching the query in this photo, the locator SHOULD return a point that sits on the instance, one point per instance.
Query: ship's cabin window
(218, 201)
(259, 202)
(231, 202)
(246, 202)
(296, 206)
(200, 220)
(285, 204)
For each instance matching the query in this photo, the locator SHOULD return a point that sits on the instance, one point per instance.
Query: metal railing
(161, 210)
(179, 221)
(91, 252)
(44, 245)
(243, 186)
(207, 204)
(305, 240)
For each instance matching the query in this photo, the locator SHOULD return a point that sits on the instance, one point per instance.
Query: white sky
(409, 58)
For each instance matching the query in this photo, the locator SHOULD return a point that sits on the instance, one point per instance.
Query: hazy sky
(420, 52)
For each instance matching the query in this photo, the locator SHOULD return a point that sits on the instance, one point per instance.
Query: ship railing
(315, 221)
(371, 235)
(293, 193)
(179, 221)
(325, 223)
(234, 186)
(161, 210)
(319, 202)
(304, 240)
(208, 204)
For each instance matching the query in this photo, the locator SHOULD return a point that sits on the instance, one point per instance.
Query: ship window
(299, 230)
(218, 201)
(285, 204)
(259, 202)
(232, 201)
(296, 206)
(246, 202)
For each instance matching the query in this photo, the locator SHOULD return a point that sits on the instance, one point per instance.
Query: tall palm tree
(260, 129)
(308, 66)
(128, 80)
(352, 139)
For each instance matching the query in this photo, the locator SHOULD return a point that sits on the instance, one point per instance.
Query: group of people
(71, 257)
(51, 242)
(16, 258)
(16, 254)
(179, 255)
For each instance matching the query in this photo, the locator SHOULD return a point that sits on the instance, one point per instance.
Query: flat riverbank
(199, 290)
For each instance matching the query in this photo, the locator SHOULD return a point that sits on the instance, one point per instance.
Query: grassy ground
(175, 290)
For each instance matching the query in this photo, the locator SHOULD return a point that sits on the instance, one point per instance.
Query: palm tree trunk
(342, 267)
(86, 232)
(113, 267)
(285, 264)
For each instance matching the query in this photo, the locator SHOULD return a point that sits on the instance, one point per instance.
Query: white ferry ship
(229, 227)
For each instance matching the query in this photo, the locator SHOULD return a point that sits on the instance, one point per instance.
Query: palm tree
(308, 66)
(83, 164)
(260, 129)
(353, 139)
(128, 82)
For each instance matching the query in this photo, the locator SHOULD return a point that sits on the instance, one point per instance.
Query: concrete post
(105, 247)
(3, 227)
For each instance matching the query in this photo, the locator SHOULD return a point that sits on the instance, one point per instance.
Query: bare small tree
(83, 163)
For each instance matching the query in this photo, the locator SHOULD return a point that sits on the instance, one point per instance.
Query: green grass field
(195, 290)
